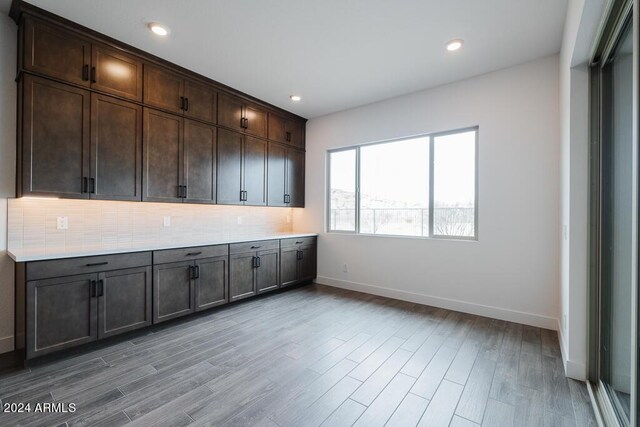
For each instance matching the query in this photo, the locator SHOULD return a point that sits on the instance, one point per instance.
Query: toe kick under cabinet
(64, 303)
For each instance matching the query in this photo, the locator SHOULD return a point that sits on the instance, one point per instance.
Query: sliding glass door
(614, 219)
(617, 225)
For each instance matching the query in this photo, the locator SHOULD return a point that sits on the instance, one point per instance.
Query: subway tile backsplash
(109, 225)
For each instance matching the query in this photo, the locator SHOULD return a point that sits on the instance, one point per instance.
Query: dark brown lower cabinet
(124, 302)
(188, 280)
(173, 290)
(61, 313)
(68, 302)
(254, 267)
(289, 266)
(242, 282)
(299, 258)
(211, 282)
(268, 271)
(103, 298)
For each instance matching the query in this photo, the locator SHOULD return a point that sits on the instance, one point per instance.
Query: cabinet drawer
(260, 245)
(185, 254)
(72, 266)
(298, 241)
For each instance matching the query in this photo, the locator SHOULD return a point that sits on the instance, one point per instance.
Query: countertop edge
(17, 257)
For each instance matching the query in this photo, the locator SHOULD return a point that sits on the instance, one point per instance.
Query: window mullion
(357, 190)
(431, 163)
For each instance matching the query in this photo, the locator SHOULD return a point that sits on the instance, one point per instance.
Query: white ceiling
(337, 54)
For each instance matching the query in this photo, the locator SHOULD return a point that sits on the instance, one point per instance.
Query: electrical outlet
(239, 220)
(62, 223)
(167, 221)
(345, 268)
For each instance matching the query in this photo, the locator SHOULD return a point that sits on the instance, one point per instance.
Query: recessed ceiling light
(158, 29)
(296, 98)
(454, 45)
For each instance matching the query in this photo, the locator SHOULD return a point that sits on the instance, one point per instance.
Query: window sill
(394, 236)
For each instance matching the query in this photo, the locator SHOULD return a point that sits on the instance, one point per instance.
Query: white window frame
(430, 137)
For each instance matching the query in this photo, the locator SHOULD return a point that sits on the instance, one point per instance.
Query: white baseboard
(450, 304)
(572, 369)
(6, 344)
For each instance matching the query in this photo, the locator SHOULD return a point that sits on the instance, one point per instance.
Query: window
(422, 186)
(343, 190)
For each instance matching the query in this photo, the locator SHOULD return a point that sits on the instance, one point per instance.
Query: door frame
(618, 15)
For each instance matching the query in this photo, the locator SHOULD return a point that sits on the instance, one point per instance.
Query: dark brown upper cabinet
(79, 145)
(115, 73)
(295, 178)
(172, 92)
(242, 116)
(200, 102)
(242, 169)
(102, 120)
(285, 176)
(55, 139)
(57, 53)
(200, 146)
(162, 177)
(286, 130)
(116, 149)
(65, 55)
(179, 159)
(163, 89)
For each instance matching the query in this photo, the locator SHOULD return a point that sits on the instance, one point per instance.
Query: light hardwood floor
(313, 356)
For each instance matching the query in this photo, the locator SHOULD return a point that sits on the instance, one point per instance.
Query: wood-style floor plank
(312, 356)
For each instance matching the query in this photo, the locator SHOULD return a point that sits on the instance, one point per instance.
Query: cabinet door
(211, 284)
(124, 301)
(296, 129)
(116, 149)
(200, 162)
(229, 170)
(256, 120)
(268, 271)
(163, 89)
(289, 266)
(162, 156)
(201, 102)
(61, 313)
(255, 171)
(55, 139)
(173, 291)
(295, 178)
(230, 112)
(56, 53)
(307, 268)
(241, 276)
(277, 128)
(276, 170)
(116, 73)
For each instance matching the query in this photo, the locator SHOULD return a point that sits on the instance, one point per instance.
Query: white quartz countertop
(27, 255)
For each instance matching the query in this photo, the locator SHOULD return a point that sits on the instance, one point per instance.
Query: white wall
(512, 272)
(8, 34)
